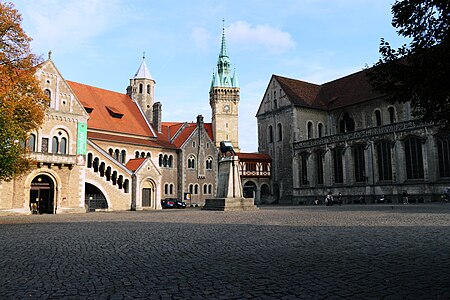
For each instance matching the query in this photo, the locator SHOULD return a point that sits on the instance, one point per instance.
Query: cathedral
(342, 136)
(103, 150)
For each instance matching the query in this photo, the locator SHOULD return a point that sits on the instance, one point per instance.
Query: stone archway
(266, 196)
(249, 189)
(276, 193)
(94, 199)
(42, 195)
(148, 194)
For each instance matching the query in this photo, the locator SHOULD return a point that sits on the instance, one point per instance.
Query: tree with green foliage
(418, 72)
(22, 102)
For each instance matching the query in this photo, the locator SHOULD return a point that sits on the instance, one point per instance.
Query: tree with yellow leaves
(22, 102)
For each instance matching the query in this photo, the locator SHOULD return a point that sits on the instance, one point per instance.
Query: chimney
(129, 90)
(157, 116)
(200, 123)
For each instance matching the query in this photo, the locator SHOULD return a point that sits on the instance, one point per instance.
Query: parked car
(180, 203)
(173, 203)
(167, 203)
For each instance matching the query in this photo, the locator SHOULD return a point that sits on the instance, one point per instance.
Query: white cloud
(274, 40)
(201, 38)
(70, 25)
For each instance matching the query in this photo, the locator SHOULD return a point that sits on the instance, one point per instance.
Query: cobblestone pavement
(297, 252)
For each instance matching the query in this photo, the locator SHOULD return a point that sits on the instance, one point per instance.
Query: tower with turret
(142, 90)
(224, 99)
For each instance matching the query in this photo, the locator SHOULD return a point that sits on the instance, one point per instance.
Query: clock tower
(224, 99)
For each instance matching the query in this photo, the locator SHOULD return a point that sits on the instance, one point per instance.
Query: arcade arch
(148, 195)
(42, 195)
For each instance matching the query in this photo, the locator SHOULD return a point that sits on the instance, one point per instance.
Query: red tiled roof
(348, 90)
(150, 142)
(184, 134)
(125, 117)
(254, 156)
(134, 163)
(299, 92)
(182, 131)
(209, 130)
(352, 89)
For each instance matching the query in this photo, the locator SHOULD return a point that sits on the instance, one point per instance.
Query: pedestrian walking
(316, 200)
(362, 199)
(405, 197)
(329, 199)
(339, 198)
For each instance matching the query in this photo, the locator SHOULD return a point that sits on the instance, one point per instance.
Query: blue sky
(100, 43)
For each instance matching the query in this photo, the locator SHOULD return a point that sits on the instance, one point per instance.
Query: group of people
(329, 200)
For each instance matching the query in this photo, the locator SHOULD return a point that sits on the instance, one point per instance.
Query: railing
(258, 169)
(53, 158)
(365, 133)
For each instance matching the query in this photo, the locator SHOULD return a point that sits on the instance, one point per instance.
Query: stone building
(342, 136)
(104, 150)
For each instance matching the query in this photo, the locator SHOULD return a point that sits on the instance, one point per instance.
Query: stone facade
(198, 162)
(99, 150)
(224, 103)
(59, 165)
(343, 137)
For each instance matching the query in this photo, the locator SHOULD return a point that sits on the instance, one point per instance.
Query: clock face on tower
(226, 108)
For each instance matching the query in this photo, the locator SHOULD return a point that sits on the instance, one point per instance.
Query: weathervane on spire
(143, 55)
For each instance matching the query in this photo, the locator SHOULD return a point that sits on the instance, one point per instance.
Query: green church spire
(223, 76)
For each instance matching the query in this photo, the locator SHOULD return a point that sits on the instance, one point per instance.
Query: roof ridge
(96, 87)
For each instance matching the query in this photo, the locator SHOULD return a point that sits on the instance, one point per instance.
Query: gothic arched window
(191, 162)
(280, 132)
(320, 130)
(31, 143)
(377, 117)
(55, 145)
(359, 163)
(346, 124)
(270, 132)
(414, 158)
(391, 111)
(384, 160)
(63, 146)
(309, 130)
(443, 145)
(337, 165)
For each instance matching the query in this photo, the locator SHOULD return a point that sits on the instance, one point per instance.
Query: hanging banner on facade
(81, 138)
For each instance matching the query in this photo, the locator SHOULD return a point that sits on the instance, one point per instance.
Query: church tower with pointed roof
(142, 90)
(224, 99)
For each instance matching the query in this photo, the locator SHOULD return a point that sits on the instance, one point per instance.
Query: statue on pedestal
(229, 187)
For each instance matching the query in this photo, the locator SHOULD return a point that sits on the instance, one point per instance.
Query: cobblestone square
(277, 252)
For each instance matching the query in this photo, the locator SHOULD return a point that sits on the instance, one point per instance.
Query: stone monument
(229, 188)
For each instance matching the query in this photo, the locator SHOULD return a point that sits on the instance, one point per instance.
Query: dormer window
(114, 112)
(88, 109)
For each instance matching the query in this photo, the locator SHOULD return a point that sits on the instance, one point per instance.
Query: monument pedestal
(229, 189)
(229, 204)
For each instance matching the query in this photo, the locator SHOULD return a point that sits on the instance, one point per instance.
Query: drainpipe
(133, 192)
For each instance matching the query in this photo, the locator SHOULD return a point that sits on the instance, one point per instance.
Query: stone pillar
(229, 183)
(229, 189)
